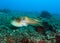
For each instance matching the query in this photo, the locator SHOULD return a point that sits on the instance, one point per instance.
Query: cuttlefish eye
(18, 19)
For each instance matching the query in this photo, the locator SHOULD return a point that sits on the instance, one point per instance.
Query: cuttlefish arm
(33, 21)
(30, 21)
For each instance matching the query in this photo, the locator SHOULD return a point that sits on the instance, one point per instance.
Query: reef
(45, 14)
(45, 29)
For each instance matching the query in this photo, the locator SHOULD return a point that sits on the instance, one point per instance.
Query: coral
(24, 40)
(45, 14)
(31, 41)
(57, 39)
(10, 40)
(42, 41)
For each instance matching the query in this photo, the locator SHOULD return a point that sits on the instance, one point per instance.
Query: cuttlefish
(24, 21)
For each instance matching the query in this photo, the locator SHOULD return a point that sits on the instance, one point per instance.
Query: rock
(46, 14)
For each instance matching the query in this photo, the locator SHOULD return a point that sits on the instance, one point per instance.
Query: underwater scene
(29, 22)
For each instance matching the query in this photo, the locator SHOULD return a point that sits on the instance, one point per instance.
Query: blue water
(31, 5)
(40, 28)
